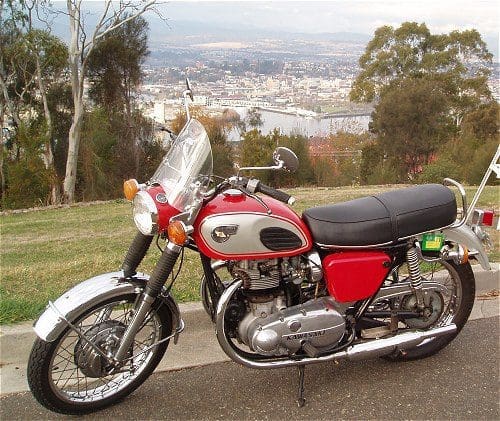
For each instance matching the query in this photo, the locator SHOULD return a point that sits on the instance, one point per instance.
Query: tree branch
(8, 100)
(146, 7)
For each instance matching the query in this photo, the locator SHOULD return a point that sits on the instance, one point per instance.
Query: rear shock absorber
(415, 275)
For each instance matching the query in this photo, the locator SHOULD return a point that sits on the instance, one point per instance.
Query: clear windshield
(185, 171)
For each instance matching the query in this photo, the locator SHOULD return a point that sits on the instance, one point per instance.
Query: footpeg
(310, 350)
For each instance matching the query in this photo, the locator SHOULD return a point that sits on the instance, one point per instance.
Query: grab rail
(451, 182)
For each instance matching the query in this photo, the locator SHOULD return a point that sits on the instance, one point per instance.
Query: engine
(267, 325)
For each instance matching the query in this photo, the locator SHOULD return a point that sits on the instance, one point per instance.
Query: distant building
(159, 112)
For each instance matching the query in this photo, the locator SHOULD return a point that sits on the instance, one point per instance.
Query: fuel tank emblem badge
(222, 233)
(161, 198)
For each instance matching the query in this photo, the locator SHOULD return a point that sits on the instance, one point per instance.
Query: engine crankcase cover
(317, 322)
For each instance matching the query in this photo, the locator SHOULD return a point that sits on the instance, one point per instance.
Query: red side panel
(355, 275)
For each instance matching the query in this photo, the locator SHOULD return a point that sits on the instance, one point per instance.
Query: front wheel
(69, 377)
(454, 306)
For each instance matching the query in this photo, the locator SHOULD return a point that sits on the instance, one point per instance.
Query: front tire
(460, 279)
(66, 377)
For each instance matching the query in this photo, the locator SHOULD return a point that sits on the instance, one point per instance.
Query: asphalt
(198, 355)
(461, 382)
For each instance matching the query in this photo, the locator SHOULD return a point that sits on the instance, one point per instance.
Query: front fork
(160, 274)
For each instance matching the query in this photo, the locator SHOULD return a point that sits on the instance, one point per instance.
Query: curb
(26, 327)
(197, 345)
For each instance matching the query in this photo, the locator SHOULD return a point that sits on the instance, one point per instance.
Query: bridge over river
(309, 126)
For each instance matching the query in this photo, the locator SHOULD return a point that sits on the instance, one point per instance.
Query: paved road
(462, 382)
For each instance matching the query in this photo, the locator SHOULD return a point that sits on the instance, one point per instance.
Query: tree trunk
(47, 156)
(2, 175)
(79, 49)
(73, 147)
(77, 76)
(8, 101)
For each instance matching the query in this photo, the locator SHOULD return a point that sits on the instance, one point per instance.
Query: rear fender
(464, 235)
(87, 294)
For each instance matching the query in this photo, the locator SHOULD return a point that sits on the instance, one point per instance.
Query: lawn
(45, 252)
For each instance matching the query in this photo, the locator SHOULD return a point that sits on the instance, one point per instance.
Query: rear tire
(464, 277)
(71, 390)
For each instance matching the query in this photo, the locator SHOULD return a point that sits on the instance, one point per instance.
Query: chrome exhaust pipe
(365, 350)
(380, 347)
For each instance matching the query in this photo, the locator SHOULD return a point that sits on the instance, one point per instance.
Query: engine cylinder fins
(265, 283)
(258, 278)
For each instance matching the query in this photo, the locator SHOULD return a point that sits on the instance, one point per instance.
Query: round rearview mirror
(287, 158)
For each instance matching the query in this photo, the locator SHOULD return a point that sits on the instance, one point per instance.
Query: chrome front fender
(464, 235)
(87, 294)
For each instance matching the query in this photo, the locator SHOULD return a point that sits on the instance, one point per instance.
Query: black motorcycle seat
(384, 218)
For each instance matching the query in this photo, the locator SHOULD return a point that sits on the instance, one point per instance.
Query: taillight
(482, 217)
(488, 218)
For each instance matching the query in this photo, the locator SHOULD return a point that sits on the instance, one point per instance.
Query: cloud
(346, 16)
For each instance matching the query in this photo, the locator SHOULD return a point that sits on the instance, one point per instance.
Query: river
(307, 126)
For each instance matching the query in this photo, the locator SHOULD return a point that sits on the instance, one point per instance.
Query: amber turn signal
(130, 188)
(177, 233)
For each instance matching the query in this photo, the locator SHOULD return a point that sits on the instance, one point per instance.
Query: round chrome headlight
(145, 213)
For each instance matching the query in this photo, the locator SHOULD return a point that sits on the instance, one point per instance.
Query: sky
(360, 16)
(332, 16)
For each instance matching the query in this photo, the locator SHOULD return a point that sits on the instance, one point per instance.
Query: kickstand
(300, 399)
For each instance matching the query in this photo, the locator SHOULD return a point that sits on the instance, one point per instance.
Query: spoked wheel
(70, 376)
(451, 304)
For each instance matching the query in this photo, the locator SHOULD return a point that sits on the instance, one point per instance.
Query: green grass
(45, 252)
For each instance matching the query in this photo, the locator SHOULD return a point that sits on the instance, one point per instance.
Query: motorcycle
(381, 276)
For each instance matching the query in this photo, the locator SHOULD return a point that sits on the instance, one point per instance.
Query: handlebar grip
(276, 194)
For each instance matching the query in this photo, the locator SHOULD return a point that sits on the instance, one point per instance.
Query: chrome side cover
(360, 351)
(464, 235)
(243, 238)
(87, 294)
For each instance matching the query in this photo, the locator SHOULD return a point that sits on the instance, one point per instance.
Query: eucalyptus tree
(411, 122)
(82, 42)
(114, 74)
(115, 65)
(422, 85)
(459, 62)
(31, 62)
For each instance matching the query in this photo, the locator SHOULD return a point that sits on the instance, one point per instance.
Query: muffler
(380, 347)
(362, 351)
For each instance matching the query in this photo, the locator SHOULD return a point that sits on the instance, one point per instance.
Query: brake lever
(256, 198)
(209, 195)
(238, 182)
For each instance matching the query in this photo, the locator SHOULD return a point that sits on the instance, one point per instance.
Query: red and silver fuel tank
(234, 226)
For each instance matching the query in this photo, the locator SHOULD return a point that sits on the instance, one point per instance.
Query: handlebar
(256, 186)
(251, 185)
(276, 194)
